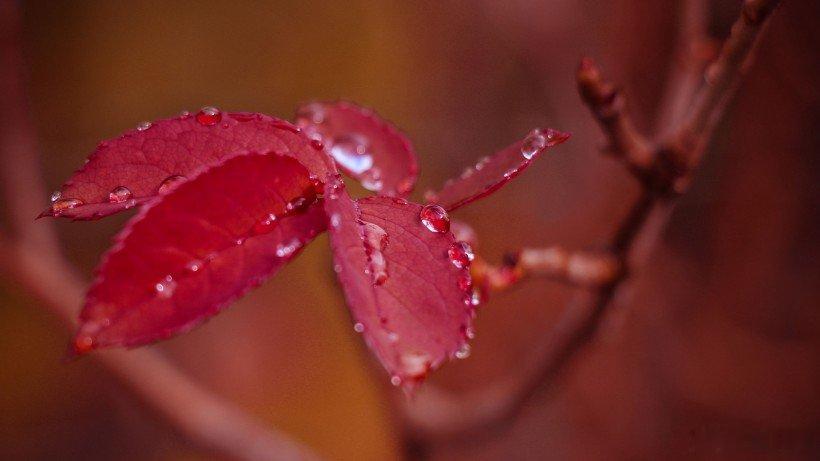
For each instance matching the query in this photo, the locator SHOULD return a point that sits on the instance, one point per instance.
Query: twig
(439, 417)
(32, 258)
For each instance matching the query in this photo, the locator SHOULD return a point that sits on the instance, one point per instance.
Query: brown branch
(437, 417)
(32, 258)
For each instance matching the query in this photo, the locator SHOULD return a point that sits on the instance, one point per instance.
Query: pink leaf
(195, 249)
(410, 301)
(364, 145)
(150, 159)
(490, 173)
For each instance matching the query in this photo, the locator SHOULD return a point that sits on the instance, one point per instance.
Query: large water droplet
(350, 151)
(463, 352)
(376, 241)
(461, 254)
(60, 206)
(169, 183)
(166, 288)
(144, 126)
(209, 116)
(532, 144)
(288, 249)
(120, 194)
(435, 218)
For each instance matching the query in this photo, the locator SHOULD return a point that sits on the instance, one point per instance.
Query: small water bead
(144, 126)
(358, 327)
(532, 144)
(62, 205)
(435, 218)
(468, 332)
(265, 225)
(460, 254)
(83, 344)
(350, 151)
(376, 240)
(395, 380)
(475, 299)
(184, 115)
(463, 352)
(288, 249)
(209, 116)
(194, 266)
(335, 220)
(169, 183)
(55, 196)
(120, 194)
(166, 288)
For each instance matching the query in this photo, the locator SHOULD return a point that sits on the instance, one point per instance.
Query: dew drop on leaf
(358, 327)
(120, 194)
(532, 144)
(287, 249)
(463, 352)
(144, 126)
(376, 241)
(435, 218)
(165, 288)
(460, 254)
(169, 183)
(55, 196)
(64, 204)
(209, 116)
(264, 225)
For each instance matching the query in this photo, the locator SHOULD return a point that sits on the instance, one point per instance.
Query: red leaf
(365, 146)
(132, 168)
(490, 173)
(410, 301)
(188, 254)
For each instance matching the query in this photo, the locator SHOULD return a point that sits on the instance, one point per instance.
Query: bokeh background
(715, 355)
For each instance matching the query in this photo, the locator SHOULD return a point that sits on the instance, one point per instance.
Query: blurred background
(716, 354)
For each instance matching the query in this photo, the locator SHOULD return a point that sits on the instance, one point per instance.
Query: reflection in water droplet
(170, 182)
(358, 327)
(56, 196)
(463, 352)
(350, 151)
(461, 254)
(287, 250)
(166, 288)
(144, 126)
(372, 179)
(435, 218)
(208, 116)
(532, 144)
(60, 206)
(376, 241)
(120, 194)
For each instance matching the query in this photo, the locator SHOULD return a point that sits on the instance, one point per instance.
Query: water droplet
(297, 204)
(376, 241)
(475, 299)
(461, 254)
(56, 196)
(533, 144)
(463, 352)
(358, 327)
(313, 113)
(395, 380)
(83, 344)
(372, 179)
(335, 220)
(120, 194)
(435, 218)
(350, 151)
(58, 207)
(184, 115)
(166, 288)
(208, 116)
(169, 183)
(337, 268)
(468, 332)
(482, 163)
(265, 225)
(287, 250)
(239, 241)
(317, 144)
(194, 266)
(144, 126)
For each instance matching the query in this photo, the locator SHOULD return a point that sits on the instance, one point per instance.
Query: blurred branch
(664, 167)
(30, 255)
